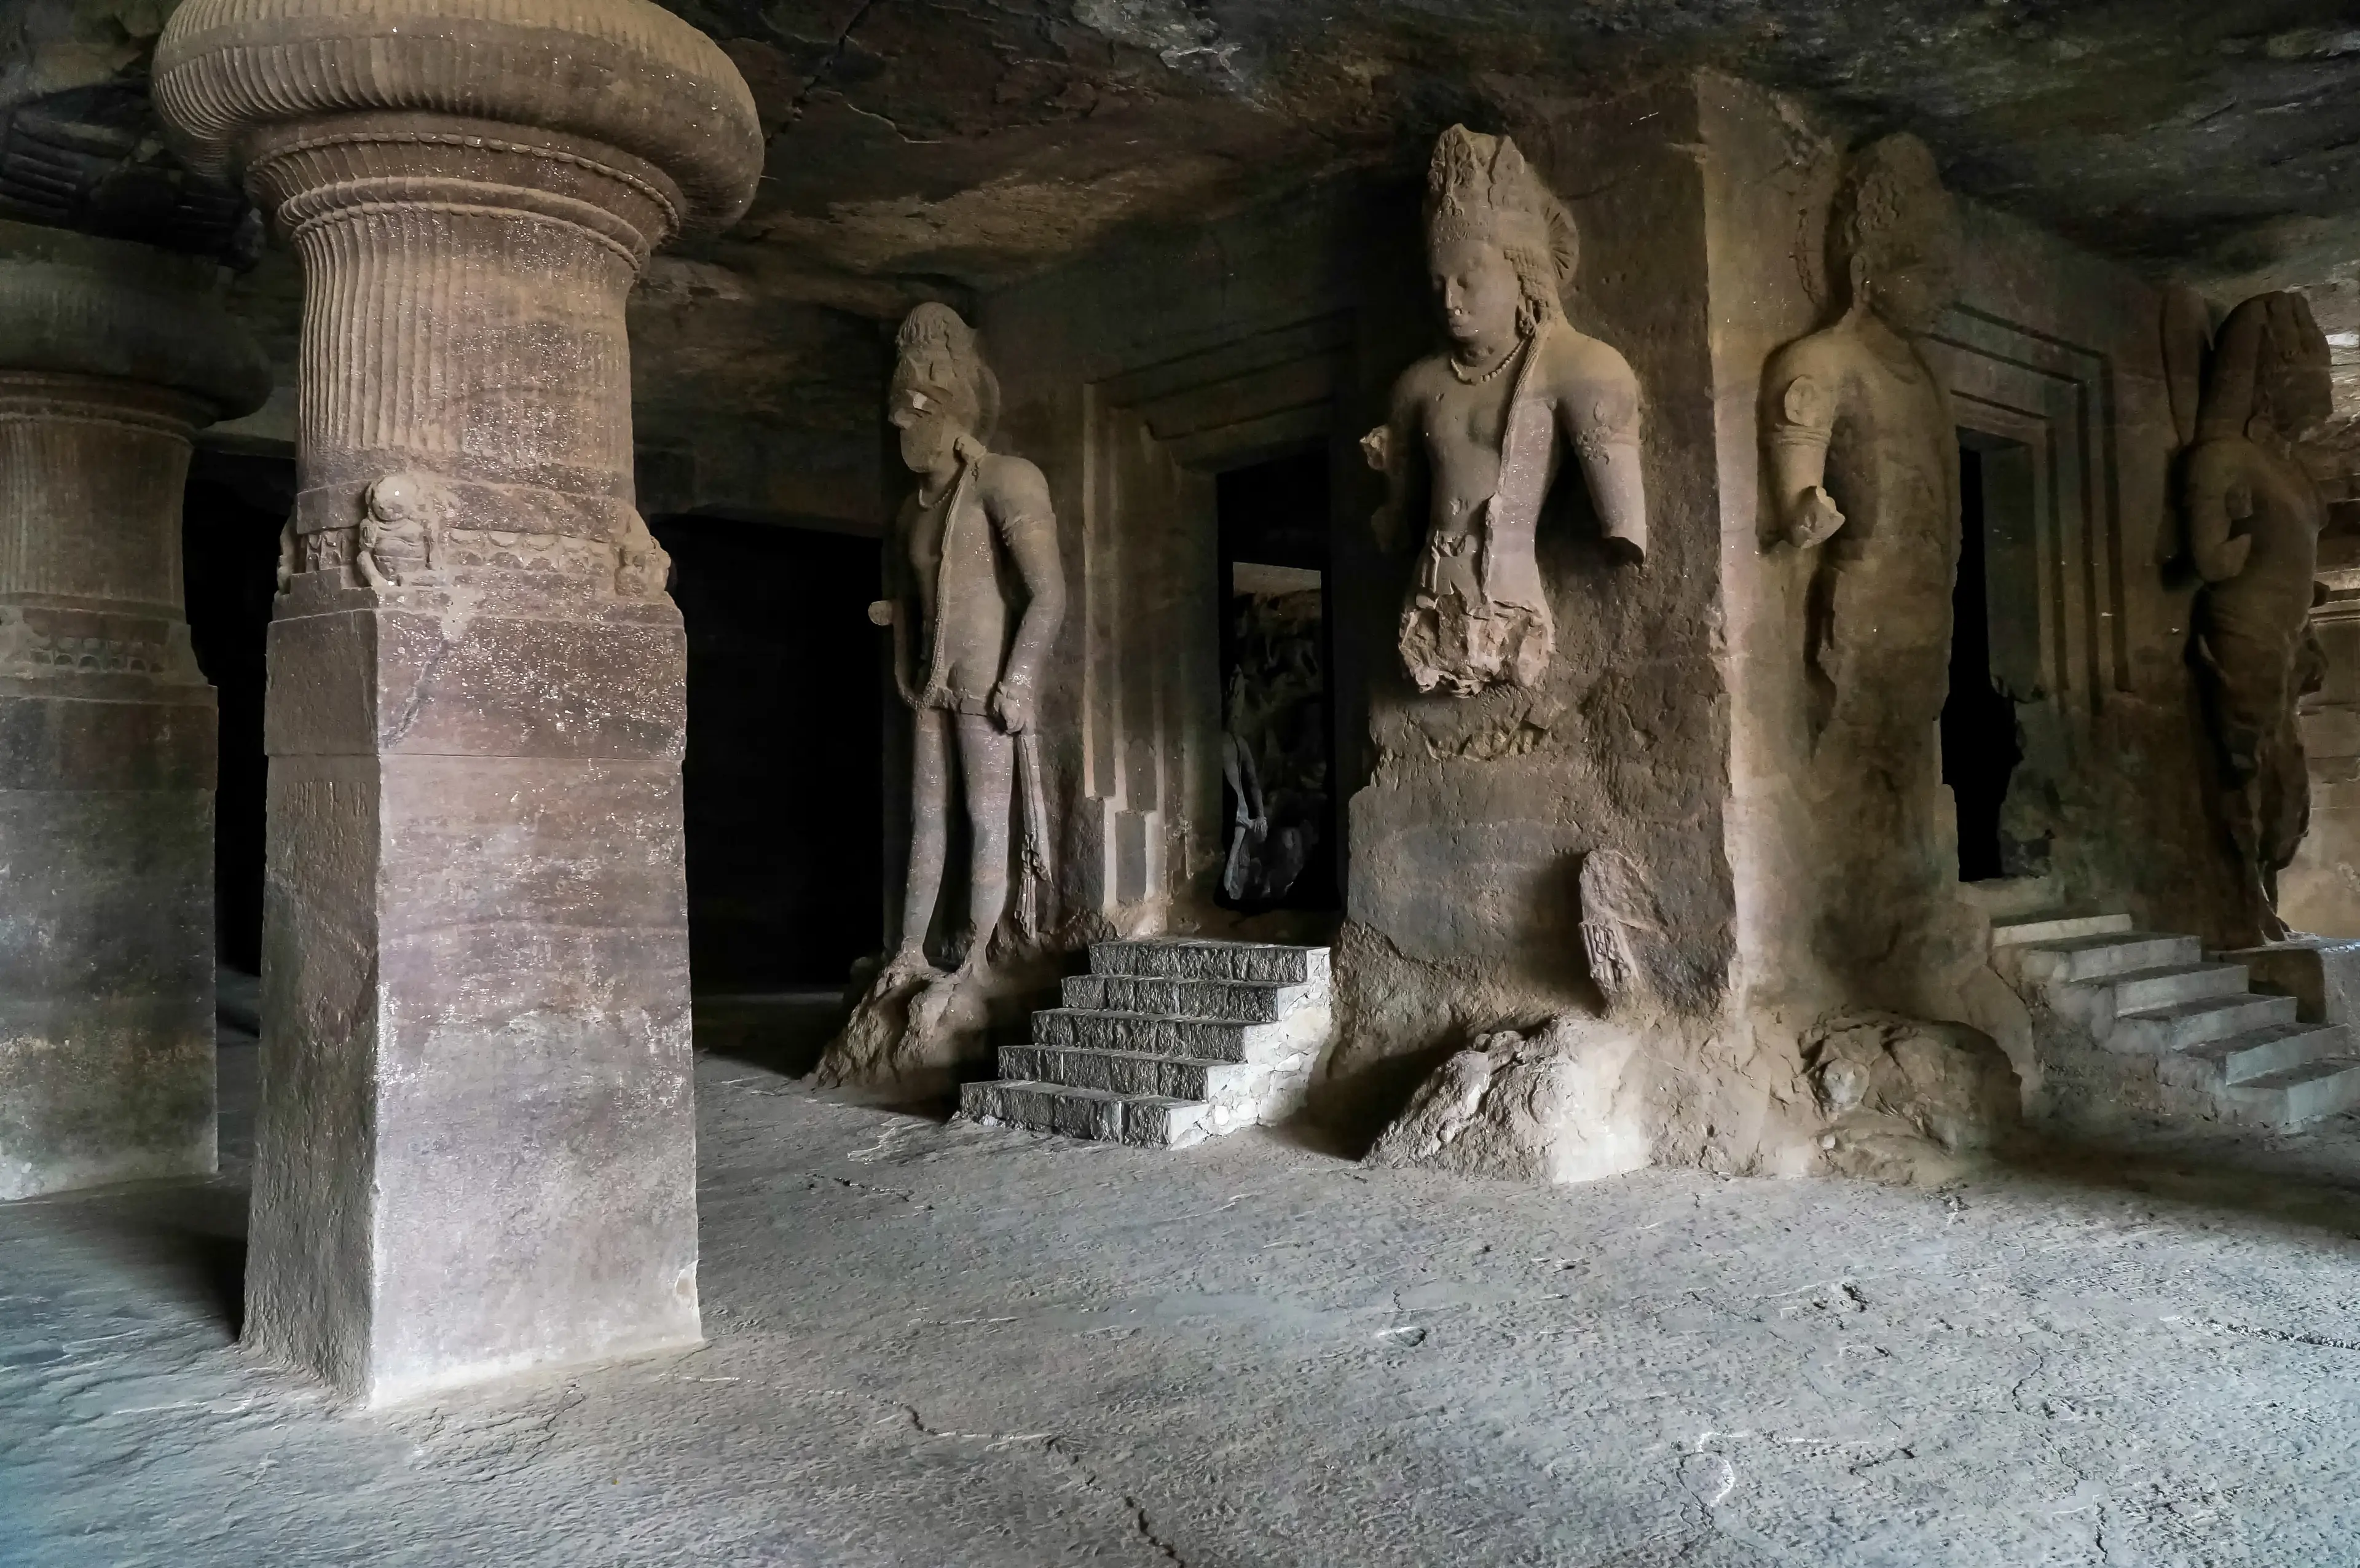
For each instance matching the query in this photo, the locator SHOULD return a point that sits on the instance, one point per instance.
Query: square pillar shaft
(478, 1145)
(476, 1152)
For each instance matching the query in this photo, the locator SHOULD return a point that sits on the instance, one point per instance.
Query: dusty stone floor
(956, 1347)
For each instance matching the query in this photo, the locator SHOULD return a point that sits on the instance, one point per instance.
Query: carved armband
(1806, 413)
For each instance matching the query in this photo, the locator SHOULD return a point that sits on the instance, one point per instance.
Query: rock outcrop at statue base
(1906, 1100)
(1556, 1105)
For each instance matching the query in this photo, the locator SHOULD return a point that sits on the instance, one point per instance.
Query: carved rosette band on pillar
(477, 1151)
(110, 357)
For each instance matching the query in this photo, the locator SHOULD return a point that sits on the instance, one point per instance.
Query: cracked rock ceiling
(925, 144)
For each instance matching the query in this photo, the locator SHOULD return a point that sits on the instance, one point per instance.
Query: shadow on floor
(2308, 1183)
(779, 1031)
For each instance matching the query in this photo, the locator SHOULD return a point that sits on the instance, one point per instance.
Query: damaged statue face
(1911, 287)
(1477, 290)
(929, 434)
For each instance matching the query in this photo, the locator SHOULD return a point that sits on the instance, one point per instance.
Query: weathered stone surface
(111, 356)
(1906, 1100)
(1301, 1033)
(2252, 515)
(477, 1149)
(1192, 958)
(1551, 1107)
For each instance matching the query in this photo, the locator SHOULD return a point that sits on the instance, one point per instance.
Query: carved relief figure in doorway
(2254, 515)
(975, 596)
(1479, 431)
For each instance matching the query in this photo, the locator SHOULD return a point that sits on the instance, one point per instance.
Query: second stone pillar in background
(476, 1147)
(111, 356)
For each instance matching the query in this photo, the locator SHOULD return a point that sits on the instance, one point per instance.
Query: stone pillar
(476, 1147)
(111, 356)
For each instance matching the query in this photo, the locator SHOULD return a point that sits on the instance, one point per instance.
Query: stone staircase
(2187, 1037)
(1166, 1041)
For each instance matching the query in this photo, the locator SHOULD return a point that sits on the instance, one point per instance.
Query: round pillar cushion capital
(625, 74)
(73, 305)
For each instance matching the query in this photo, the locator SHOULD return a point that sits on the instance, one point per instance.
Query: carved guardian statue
(1478, 432)
(974, 594)
(2252, 517)
(1865, 461)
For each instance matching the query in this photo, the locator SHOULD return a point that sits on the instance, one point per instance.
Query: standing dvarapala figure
(1862, 457)
(2252, 515)
(1476, 427)
(1865, 461)
(974, 594)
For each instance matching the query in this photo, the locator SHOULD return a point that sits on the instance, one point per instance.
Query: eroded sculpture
(1863, 463)
(1480, 428)
(2252, 515)
(975, 596)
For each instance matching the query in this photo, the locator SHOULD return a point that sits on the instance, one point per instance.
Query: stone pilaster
(477, 1149)
(110, 357)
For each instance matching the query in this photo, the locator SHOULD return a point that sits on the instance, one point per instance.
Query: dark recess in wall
(1980, 748)
(1278, 680)
(784, 780)
(231, 515)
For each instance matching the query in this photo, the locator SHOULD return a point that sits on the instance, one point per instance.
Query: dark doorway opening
(231, 514)
(784, 780)
(1980, 746)
(1277, 687)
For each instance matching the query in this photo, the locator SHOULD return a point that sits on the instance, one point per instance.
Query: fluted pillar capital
(250, 84)
(144, 323)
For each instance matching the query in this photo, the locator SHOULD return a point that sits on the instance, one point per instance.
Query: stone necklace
(1470, 379)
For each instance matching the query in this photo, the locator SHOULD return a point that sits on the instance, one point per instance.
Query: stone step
(1233, 1001)
(2055, 928)
(1298, 1035)
(2098, 956)
(1195, 958)
(2143, 990)
(2299, 1096)
(2257, 1053)
(2154, 1031)
(1148, 1122)
(1133, 1073)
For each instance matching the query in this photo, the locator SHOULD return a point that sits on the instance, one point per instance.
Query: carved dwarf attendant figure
(967, 653)
(2253, 517)
(1476, 429)
(1864, 460)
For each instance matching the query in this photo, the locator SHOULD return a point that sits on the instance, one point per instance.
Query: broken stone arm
(1802, 421)
(2218, 498)
(1604, 431)
(1393, 448)
(1029, 529)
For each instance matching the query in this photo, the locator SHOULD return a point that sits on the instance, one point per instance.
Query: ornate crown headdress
(1480, 187)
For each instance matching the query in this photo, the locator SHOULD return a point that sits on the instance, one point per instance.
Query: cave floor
(960, 1347)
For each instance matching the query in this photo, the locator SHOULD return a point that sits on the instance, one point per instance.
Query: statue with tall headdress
(1478, 431)
(975, 594)
(2252, 517)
